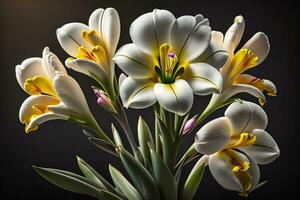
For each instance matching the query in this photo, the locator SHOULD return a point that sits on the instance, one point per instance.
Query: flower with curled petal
(236, 143)
(53, 94)
(92, 46)
(250, 55)
(168, 61)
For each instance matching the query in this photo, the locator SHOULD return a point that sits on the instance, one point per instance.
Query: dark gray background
(29, 25)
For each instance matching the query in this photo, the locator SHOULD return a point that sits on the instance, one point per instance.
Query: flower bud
(190, 125)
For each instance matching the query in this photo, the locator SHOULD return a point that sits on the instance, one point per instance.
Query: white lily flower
(236, 143)
(54, 94)
(250, 55)
(92, 46)
(168, 61)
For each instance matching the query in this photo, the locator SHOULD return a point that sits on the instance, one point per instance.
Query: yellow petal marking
(240, 168)
(91, 37)
(37, 110)
(258, 83)
(97, 53)
(39, 85)
(242, 140)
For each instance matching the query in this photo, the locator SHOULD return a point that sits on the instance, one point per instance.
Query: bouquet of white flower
(169, 60)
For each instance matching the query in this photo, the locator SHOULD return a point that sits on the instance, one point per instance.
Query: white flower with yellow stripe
(53, 94)
(236, 143)
(249, 56)
(168, 61)
(92, 46)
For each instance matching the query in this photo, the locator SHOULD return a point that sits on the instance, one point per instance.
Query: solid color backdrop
(27, 26)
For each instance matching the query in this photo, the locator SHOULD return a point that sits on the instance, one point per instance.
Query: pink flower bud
(190, 125)
(102, 98)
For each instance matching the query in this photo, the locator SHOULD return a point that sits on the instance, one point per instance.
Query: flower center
(97, 53)
(242, 140)
(168, 69)
(39, 85)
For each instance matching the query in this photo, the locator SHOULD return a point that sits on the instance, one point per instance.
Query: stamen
(171, 55)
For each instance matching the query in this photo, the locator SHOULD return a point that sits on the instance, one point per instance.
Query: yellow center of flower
(168, 68)
(39, 85)
(97, 53)
(240, 168)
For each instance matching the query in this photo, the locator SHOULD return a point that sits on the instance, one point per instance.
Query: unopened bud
(190, 125)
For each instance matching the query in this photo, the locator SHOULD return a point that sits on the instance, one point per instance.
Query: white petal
(176, 97)
(69, 37)
(27, 110)
(264, 150)
(239, 88)
(51, 64)
(204, 79)
(246, 116)
(71, 95)
(110, 30)
(260, 45)
(151, 30)
(214, 55)
(44, 118)
(213, 136)
(188, 38)
(217, 38)
(234, 35)
(122, 77)
(134, 62)
(137, 93)
(95, 21)
(221, 169)
(89, 68)
(254, 172)
(28, 69)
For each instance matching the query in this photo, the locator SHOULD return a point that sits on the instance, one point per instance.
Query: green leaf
(141, 178)
(145, 138)
(116, 135)
(192, 182)
(167, 144)
(95, 177)
(124, 185)
(69, 181)
(110, 196)
(163, 177)
(102, 144)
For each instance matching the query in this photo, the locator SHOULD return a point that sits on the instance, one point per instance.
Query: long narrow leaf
(124, 185)
(141, 178)
(192, 182)
(163, 177)
(145, 138)
(95, 177)
(69, 181)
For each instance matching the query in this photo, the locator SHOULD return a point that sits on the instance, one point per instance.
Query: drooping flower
(250, 55)
(168, 61)
(236, 143)
(92, 47)
(53, 94)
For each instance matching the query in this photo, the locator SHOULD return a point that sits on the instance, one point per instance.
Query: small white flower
(168, 61)
(236, 143)
(54, 94)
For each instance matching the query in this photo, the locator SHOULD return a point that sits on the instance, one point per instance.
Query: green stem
(123, 121)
